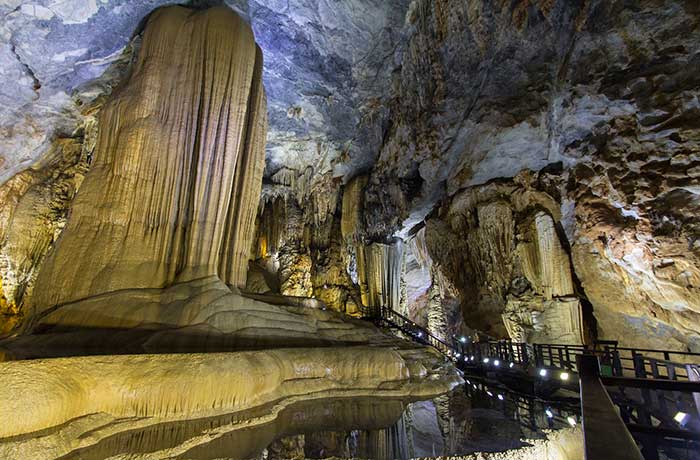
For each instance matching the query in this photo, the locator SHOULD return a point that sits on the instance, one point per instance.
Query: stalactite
(403, 294)
(379, 269)
(352, 209)
(437, 316)
(174, 184)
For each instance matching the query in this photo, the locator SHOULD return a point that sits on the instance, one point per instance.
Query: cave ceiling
(327, 66)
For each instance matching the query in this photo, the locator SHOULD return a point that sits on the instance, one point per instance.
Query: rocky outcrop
(489, 89)
(497, 246)
(36, 205)
(301, 246)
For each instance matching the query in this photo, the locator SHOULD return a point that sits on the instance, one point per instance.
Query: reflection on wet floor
(473, 418)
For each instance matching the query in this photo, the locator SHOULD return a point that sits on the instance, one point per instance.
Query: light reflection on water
(467, 420)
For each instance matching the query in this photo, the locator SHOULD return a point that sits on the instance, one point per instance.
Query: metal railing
(615, 360)
(651, 394)
(621, 412)
(388, 317)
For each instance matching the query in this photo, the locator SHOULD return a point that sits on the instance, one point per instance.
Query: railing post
(617, 363)
(694, 376)
(551, 360)
(561, 358)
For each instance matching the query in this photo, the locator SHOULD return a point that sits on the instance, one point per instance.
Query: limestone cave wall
(532, 173)
(598, 100)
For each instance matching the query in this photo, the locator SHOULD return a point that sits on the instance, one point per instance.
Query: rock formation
(154, 258)
(173, 189)
(159, 236)
(379, 268)
(579, 114)
(576, 90)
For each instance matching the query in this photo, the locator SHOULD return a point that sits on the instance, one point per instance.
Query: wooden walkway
(636, 403)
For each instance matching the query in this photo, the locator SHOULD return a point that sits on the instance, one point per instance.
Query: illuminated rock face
(172, 193)
(423, 100)
(379, 267)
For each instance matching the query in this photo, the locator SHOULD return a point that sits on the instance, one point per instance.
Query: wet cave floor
(474, 417)
(461, 422)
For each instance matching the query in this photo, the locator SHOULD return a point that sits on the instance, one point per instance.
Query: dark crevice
(37, 84)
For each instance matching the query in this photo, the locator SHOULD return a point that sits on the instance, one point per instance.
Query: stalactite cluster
(379, 267)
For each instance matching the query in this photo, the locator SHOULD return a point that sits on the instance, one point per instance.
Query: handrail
(607, 432)
(556, 355)
(656, 384)
(604, 432)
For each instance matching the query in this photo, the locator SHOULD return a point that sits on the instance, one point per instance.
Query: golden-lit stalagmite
(172, 193)
(352, 209)
(546, 265)
(158, 237)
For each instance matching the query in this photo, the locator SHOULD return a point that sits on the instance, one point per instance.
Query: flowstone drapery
(174, 186)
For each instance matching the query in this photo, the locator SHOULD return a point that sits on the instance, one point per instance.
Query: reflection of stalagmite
(172, 193)
(82, 395)
(379, 270)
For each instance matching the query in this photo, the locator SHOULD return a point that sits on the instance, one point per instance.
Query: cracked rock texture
(602, 96)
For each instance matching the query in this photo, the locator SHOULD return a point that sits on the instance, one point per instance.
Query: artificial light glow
(571, 420)
(458, 355)
(471, 358)
(463, 339)
(500, 397)
(420, 334)
(681, 418)
(549, 413)
(466, 359)
(486, 360)
(543, 372)
(496, 363)
(489, 393)
(468, 382)
(510, 365)
(564, 376)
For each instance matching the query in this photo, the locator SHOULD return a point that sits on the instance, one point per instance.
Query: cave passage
(372, 229)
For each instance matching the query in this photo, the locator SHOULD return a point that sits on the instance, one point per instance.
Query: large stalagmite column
(172, 193)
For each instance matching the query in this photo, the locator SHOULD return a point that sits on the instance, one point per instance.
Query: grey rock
(327, 63)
